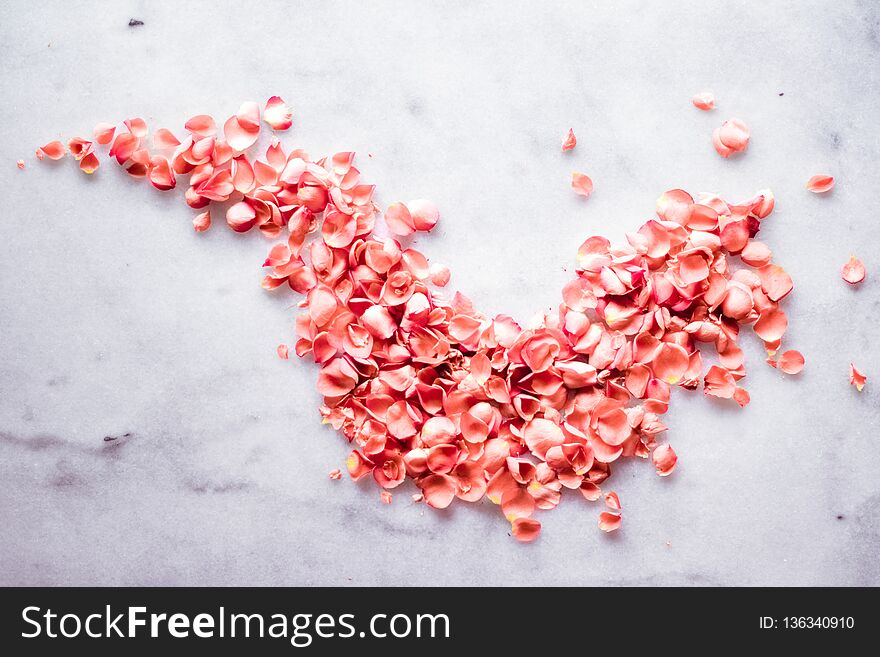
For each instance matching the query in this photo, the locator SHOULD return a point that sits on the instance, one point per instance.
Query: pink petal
(89, 163)
(161, 175)
(283, 352)
(791, 362)
(581, 184)
(438, 489)
(20, 164)
(525, 530)
(163, 138)
(608, 522)
(54, 150)
(277, 114)
(771, 325)
(399, 219)
(335, 474)
(337, 378)
(243, 129)
(425, 214)
(439, 274)
(853, 272)
(570, 141)
(137, 127)
(612, 501)
(664, 459)
(202, 126)
(103, 133)
(202, 222)
(241, 217)
(820, 184)
(79, 147)
(856, 378)
(705, 100)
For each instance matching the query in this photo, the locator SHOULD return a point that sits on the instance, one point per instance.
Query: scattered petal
(791, 362)
(104, 133)
(54, 150)
(525, 530)
(277, 114)
(856, 378)
(20, 164)
(820, 184)
(89, 163)
(609, 522)
(664, 458)
(335, 474)
(853, 272)
(282, 351)
(705, 100)
(581, 184)
(570, 141)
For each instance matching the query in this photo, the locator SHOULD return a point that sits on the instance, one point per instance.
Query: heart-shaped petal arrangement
(425, 386)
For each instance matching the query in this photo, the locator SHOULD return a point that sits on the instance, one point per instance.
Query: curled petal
(202, 221)
(89, 163)
(570, 141)
(664, 459)
(608, 522)
(820, 184)
(705, 100)
(161, 174)
(241, 217)
(853, 272)
(856, 378)
(79, 147)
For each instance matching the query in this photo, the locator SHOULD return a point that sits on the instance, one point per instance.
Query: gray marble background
(117, 320)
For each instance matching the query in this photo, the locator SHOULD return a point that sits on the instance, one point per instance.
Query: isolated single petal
(581, 184)
(821, 183)
(853, 272)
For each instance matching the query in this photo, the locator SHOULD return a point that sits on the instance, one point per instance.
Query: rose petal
(791, 362)
(820, 184)
(609, 522)
(664, 458)
(525, 530)
(277, 114)
(853, 272)
(856, 378)
(705, 100)
(103, 133)
(581, 184)
(570, 141)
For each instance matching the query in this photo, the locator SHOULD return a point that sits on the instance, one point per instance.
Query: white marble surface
(116, 319)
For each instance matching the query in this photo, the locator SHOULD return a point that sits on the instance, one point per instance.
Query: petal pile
(467, 406)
